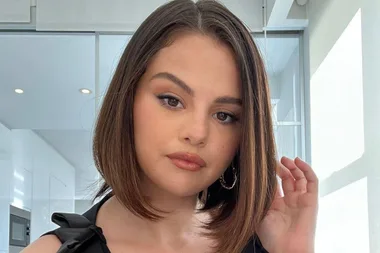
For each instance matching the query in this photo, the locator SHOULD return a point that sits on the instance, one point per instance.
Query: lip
(187, 161)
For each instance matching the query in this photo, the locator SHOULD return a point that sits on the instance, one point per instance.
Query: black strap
(70, 220)
(85, 237)
(254, 246)
(77, 233)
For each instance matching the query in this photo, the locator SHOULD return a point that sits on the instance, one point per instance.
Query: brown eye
(222, 116)
(173, 102)
(225, 118)
(170, 102)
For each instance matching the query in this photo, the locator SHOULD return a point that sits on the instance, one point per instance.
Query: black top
(72, 223)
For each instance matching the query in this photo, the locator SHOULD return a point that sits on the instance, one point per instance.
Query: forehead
(201, 61)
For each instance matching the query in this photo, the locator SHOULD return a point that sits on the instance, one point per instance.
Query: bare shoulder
(45, 244)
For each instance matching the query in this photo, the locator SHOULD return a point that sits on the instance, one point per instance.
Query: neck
(179, 225)
(179, 217)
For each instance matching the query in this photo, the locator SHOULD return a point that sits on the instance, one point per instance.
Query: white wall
(34, 177)
(53, 179)
(5, 140)
(5, 186)
(81, 206)
(371, 79)
(345, 115)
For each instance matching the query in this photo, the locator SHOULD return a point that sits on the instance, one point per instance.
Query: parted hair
(236, 213)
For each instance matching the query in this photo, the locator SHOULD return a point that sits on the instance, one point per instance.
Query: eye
(170, 101)
(225, 118)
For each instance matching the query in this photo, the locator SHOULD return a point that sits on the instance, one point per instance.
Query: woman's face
(187, 113)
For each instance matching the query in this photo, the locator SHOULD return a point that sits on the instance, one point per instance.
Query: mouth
(187, 161)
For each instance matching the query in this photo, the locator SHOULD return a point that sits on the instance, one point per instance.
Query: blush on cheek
(150, 122)
(144, 105)
(226, 152)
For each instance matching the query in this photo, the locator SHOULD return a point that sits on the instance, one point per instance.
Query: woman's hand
(290, 224)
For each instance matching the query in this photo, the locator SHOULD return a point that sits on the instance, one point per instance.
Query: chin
(178, 186)
(182, 189)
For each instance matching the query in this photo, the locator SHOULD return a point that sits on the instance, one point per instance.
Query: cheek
(150, 130)
(225, 148)
(143, 119)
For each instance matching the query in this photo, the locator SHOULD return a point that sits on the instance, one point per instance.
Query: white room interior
(322, 62)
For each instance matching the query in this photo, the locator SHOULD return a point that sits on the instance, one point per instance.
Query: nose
(195, 130)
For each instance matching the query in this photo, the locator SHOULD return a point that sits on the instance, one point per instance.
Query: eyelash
(164, 99)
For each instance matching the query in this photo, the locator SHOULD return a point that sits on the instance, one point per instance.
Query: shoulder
(50, 243)
(45, 244)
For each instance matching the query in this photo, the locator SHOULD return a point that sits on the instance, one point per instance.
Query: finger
(290, 164)
(287, 180)
(311, 177)
(301, 182)
(279, 190)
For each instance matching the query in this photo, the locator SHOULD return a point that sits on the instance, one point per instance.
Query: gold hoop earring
(223, 181)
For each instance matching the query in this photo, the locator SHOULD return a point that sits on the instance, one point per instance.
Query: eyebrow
(176, 80)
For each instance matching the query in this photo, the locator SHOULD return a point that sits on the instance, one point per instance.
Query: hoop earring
(223, 181)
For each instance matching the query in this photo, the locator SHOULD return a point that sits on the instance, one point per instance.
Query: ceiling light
(19, 91)
(301, 2)
(85, 91)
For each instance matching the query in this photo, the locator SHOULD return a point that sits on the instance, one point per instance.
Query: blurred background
(57, 59)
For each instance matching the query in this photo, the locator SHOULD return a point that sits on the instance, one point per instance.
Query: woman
(184, 143)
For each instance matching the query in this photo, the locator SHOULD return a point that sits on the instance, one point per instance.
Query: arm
(45, 244)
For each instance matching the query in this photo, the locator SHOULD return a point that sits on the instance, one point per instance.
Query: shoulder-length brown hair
(238, 212)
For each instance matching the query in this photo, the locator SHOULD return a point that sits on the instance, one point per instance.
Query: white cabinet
(93, 15)
(40, 215)
(43, 182)
(21, 149)
(15, 11)
(5, 141)
(5, 186)
(123, 15)
(22, 162)
(21, 190)
(28, 186)
(59, 199)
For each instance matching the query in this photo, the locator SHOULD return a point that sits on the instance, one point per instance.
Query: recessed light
(19, 91)
(85, 91)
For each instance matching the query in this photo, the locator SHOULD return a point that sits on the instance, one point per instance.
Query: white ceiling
(51, 68)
